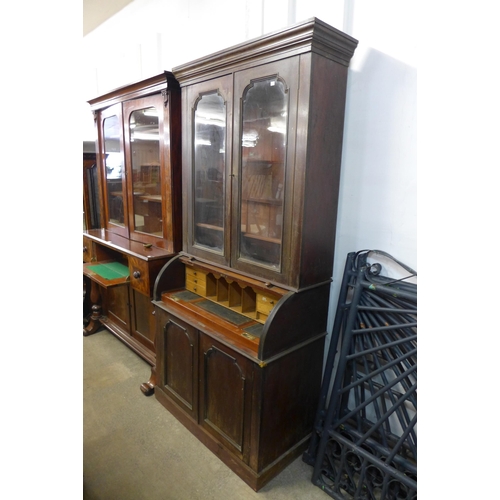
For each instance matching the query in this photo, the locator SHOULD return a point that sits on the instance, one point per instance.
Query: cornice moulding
(165, 80)
(312, 35)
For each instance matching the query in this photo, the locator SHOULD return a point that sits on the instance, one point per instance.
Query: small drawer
(87, 249)
(196, 285)
(195, 273)
(196, 281)
(139, 275)
(265, 303)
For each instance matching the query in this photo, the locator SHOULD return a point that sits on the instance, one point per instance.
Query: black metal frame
(364, 444)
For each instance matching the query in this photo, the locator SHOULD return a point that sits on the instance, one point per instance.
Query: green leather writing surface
(110, 271)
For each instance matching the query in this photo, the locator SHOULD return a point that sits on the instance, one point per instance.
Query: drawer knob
(85, 249)
(136, 274)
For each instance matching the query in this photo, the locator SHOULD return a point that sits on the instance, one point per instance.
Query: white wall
(378, 191)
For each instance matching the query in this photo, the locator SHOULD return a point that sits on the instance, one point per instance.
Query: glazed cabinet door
(112, 169)
(207, 108)
(144, 131)
(226, 384)
(263, 168)
(177, 365)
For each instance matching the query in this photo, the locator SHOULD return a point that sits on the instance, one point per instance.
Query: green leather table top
(110, 270)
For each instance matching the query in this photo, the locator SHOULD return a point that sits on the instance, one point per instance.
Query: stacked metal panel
(365, 441)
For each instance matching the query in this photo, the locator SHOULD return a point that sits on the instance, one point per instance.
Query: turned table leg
(95, 299)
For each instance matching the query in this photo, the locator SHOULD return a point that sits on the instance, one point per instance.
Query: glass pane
(114, 167)
(263, 145)
(209, 168)
(146, 182)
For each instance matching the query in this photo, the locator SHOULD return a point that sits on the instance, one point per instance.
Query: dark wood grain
(257, 395)
(125, 307)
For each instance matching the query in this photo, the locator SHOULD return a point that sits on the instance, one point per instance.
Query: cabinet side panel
(324, 153)
(291, 390)
(300, 317)
(173, 161)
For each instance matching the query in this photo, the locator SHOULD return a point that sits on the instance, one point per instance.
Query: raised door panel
(226, 383)
(178, 367)
(263, 169)
(117, 306)
(207, 129)
(143, 326)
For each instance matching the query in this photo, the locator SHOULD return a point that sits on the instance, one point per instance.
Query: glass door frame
(192, 95)
(287, 71)
(104, 114)
(156, 101)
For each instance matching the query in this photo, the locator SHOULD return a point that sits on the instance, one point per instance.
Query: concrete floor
(134, 449)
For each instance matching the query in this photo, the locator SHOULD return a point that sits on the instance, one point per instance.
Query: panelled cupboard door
(117, 305)
(207, 134)
(178, 368)
(266, 99)
(226, 384)
(143, 321)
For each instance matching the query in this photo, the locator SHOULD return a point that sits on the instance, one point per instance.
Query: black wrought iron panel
(365, 440)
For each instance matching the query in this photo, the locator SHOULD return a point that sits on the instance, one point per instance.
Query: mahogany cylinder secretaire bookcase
(139, 165)
(241, 312)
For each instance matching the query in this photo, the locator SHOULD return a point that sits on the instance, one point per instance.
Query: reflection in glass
(263, 145)
(209, 168)
(146, 182)
(114, 169)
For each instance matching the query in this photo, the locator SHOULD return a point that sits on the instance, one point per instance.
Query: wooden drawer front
(87, 250)
(196, 281)
(139, 275)
(199, 288)
(264, 304)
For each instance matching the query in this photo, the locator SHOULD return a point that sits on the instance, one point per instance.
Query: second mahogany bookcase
(139, 160)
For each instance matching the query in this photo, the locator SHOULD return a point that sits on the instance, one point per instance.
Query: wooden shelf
(209, 226)
(268, 201)
(276, 241)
